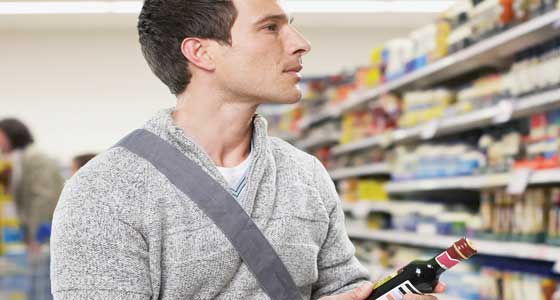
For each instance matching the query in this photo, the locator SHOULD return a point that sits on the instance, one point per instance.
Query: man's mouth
(295, 69)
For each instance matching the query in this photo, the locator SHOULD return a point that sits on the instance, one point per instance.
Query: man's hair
(164, 24)
(18, 134)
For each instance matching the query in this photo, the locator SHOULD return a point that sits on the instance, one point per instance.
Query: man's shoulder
(297, 164)
(283, 150)
(114, 162)
(112, 176)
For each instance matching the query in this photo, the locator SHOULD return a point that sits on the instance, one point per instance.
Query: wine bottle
(421, 277)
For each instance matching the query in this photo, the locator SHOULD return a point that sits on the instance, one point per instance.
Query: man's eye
(272, 27)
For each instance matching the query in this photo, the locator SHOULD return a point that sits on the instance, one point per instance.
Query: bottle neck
(448, 259)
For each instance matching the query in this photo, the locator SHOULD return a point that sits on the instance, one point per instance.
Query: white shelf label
(360, 210)
(556, 267)
(430, 129)
(504, 112)
(518, 181)
(386, 139)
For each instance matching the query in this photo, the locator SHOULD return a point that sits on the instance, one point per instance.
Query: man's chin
(286, 99)
(294, 97)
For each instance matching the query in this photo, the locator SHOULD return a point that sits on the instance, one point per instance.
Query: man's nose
(298, 44)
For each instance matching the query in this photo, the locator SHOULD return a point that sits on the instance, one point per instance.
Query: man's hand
(360, 293)
(440, 288)
(363, 291)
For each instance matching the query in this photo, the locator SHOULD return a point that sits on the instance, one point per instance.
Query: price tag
(399, 134)
(430, 129)
(386, 139)
(518, 181)
(556, 267)
(504, 112)
(360, 210)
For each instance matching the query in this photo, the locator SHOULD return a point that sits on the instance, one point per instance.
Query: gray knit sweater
(122, 231)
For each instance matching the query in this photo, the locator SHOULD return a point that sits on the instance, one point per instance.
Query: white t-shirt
(236, 177)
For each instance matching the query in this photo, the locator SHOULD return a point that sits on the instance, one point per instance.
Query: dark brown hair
(82, 160)
(164, 24)
(18, 134)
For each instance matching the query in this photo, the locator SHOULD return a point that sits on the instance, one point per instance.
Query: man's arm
(339, 270)
(98, 294)
(365, 290)
(341, 277)
(96, 255)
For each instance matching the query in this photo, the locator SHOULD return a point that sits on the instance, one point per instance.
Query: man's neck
(222, 128)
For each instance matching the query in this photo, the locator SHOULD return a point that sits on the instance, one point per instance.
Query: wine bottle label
(399, 291)
(382, 281)
(446, 261)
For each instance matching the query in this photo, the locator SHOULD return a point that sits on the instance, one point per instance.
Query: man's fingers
(362, 292)
(419, 297)
(440, 287)
(359, 293)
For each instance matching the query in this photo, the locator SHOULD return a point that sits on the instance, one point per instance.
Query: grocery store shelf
(545, 176)
(288, 137)
(496, 248)
(372, 169)
(450, 183)
(536, 103)
(487, 52)
(361, 144)
(356, 99)
(309, 121)
(519, 107)
(360, 209)
(318, 141)
(469, 182)
(484, 53)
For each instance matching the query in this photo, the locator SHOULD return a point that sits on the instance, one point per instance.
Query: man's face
(5, 146)
(264, 60)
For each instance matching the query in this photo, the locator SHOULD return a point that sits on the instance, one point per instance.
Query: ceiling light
(293, 6)
(363, 6)
(70, 7)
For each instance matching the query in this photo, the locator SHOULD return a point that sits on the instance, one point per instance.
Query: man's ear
(196, 52)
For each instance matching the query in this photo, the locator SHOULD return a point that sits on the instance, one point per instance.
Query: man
(123, 231)
(36, 180)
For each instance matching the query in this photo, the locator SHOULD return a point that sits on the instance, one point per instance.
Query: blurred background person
(80, 161)
(36, 179)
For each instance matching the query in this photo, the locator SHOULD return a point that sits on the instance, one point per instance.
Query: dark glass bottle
(421, 276)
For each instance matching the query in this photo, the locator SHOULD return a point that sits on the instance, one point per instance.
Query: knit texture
(121, 230)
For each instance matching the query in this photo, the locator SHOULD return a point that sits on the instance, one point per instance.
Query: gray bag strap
(221, 207)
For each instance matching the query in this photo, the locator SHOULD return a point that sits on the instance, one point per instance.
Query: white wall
(77, 91)
(82, 90)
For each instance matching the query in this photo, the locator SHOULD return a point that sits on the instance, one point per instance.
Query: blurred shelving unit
(453, 197)
(495, 248)
(288, 137)
(516, 108)
(318, 141)
(470, 182)
(487, 52)
(367, 170)
(326, 114)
